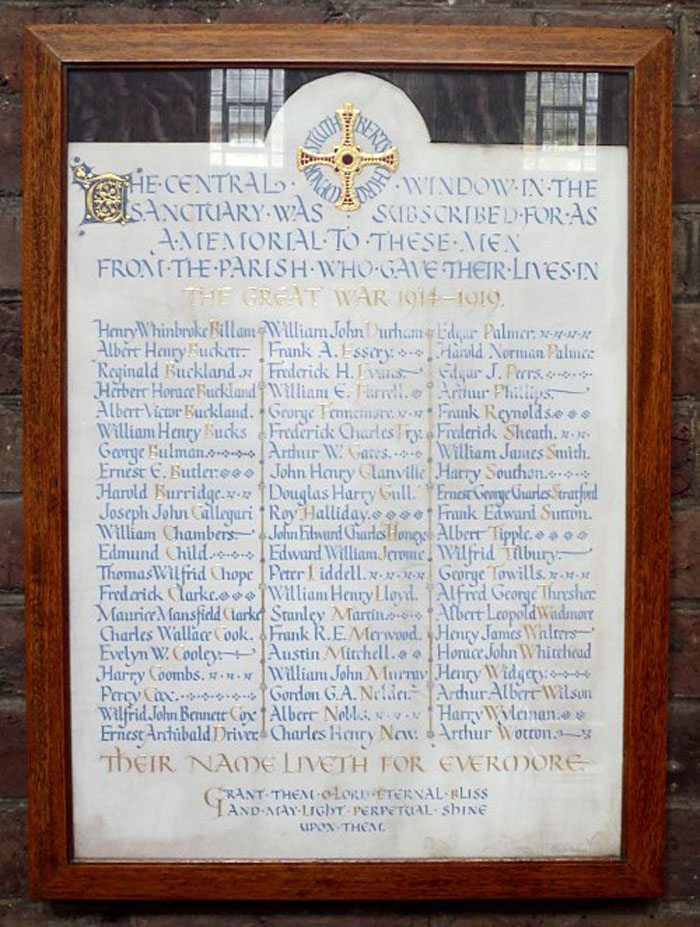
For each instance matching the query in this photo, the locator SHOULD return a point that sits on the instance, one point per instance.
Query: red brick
(685, 369)
(10, 347)
(691, 55)
(685, 652)
(223, 915)
(683, 747)
(656, 16)
(11, 566)
(618, 6)
(686, 235)
(428, 14)
(342, 916)
(685, 553)
(537, 914)
(682, 51)
(10, 247)
(10, 145)
(568, 914)
(21, 914)
(13, 852)
(683, 851)
(13, 20)
(686, 155)
(252, 11)
(132, 13)
(10, 446)
(13, 761)
(682, 454)
(11, 650)
(12, 23)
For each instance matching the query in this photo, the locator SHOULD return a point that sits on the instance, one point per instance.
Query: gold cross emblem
(347, 159)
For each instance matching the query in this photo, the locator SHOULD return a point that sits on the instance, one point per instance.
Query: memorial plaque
(362, 572)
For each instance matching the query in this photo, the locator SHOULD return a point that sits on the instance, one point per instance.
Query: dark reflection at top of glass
(237, 105)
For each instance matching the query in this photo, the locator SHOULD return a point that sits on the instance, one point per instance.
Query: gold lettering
(219, 733)
(402, 764)
(212, 798)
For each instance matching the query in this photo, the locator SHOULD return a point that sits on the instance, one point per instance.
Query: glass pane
(547, 88)
(347, 436)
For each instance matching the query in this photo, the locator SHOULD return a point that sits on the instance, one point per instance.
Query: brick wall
(680, 907)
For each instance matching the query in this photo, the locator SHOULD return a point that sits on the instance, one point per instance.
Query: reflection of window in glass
(243, 103)
(561, 108)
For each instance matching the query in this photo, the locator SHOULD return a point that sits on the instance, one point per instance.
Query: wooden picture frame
(645, 56)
